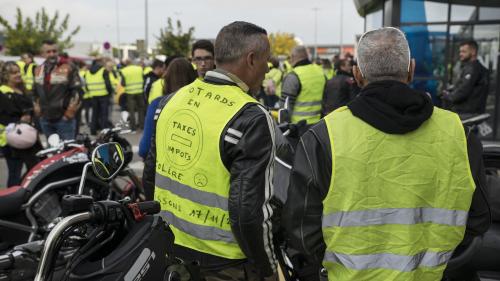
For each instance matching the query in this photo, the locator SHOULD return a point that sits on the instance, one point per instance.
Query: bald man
(304, 88)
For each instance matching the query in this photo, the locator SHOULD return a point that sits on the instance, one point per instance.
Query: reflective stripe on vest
(308, 104)
(133, 79)
(397, 205)
(192, 183)
(156, 90)
(96, 84)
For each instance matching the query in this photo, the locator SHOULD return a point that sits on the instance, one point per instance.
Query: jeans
(100, 111)
(66, 129)
(15, 160)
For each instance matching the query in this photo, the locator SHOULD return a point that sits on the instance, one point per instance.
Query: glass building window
(489, 13)
(428, 48)
(463, 13)
(423, 11)
(374, 20)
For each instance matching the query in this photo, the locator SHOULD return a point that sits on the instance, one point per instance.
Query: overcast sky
(98, 18)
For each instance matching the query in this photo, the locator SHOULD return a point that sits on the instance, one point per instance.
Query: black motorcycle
(105, 240)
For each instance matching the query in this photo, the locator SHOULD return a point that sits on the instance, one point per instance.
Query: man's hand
(36, 109)
(26, 118)
(73, 106)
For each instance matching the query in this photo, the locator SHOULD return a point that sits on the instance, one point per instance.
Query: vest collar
(227, 76)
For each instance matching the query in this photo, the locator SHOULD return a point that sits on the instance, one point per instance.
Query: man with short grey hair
(386, 187)
(303, 88)
(211, 163)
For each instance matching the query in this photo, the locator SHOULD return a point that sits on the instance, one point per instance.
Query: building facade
(435, 30)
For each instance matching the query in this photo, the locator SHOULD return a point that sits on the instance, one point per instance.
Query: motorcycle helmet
(21, 136)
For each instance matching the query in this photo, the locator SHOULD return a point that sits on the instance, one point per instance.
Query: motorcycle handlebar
(6, 261)
(149, 207)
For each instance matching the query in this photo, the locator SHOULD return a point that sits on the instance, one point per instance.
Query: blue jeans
(66, 129)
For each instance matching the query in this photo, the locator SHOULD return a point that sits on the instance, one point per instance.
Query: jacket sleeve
(309, 184)
(290, 89)
(479, 214)
(465, 86)
(249, 156)
(149, 123)
(107, 82)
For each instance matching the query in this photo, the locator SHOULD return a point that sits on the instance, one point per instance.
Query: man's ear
(411, 73)
(250, 59)
(358, 77)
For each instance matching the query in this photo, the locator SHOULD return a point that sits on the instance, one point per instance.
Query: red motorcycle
(30, 210)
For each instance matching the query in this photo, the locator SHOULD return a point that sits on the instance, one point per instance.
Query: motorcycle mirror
(53, 140)
(107, 160)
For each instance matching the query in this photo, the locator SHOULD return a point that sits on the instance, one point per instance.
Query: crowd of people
(368, 175)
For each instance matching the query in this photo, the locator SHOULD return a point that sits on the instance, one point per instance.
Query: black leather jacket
(250, 163)
(471, 89)
(312, 171)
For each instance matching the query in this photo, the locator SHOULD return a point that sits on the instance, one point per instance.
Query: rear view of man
(211, 162)
(341, 89)
(98, 85)
(470, 90)
(385, 188)
(304, 88)
(133, 80)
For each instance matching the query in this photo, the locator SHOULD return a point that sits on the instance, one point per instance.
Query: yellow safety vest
(86, 93)
(329, 73)
(147, 70)
(4, 89)
(276, 75)
(308, 104)
(192, 183)
(28, 77)
(397, 205)
(133, 79)
(7, 90)
(156, 90)
(96, 84)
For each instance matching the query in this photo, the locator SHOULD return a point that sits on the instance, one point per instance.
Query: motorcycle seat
(11, 200)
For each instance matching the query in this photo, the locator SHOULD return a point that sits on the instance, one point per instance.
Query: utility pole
(315, 9)
(146, 21)
(117, 24)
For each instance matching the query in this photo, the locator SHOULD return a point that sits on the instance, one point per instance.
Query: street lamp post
(315, 9)
(146, 26)
(341, 25)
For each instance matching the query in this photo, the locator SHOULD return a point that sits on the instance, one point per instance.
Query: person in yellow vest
(202, 53)
(86, 99)
(328, 70)
(158, 88)
(98, 85)
(382, 188)
(271, 87)
(303, 88)
(211, 161)
(27, 65)
(133, 80)
(158, 67)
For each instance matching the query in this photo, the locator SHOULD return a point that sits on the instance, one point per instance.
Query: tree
(26, 35)
(282, 43)
(172, 42)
